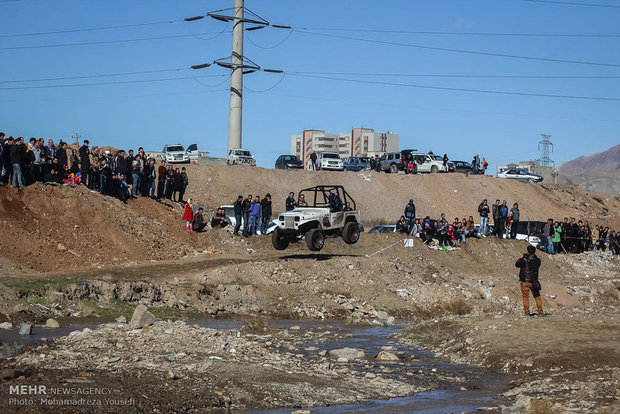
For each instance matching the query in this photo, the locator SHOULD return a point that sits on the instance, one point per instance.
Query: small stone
(171, 375)
(300, 412)
(491, 283)
(61, 247)
(295, 328)
(25, 329)
(342, 360)
(52, 323)
(382, 315)
(348, 353)
(386, 356)
(121, 319)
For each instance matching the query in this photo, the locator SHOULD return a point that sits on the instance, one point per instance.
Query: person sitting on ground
(121, 188)
(470, 228)
(302, 201)
(429, 230)
(52, 177)
(401, 225)
(219, 220)
(416, 229)
(199, 222)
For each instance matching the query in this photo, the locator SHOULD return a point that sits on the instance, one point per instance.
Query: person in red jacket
(161, 179)
(188, 215)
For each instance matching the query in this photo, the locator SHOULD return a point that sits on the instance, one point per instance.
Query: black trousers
(513, 230)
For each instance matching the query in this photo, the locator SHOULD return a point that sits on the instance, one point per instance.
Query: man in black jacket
(238, 214)
(266, 208)
(290, 203)
(498, 229)
(85, 161)
(245, 210)
(61, 154)
(529, 264)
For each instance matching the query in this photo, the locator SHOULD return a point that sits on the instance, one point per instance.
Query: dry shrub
(458, 306)
(542, 407)
(257, 326)
(609, 296)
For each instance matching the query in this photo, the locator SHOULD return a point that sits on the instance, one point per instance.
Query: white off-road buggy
(331, 212)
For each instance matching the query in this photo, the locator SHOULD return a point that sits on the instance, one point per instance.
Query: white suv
(239, 156)
(429, 163)
(330, 161)
(174, 153)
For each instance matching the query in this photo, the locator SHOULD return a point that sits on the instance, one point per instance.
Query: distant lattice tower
(545, 161)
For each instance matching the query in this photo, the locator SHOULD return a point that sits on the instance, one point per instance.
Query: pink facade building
(360, 142)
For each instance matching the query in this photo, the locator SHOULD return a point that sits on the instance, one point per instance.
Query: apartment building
(359, 142)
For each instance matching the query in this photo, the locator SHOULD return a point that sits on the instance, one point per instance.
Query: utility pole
(236, 79)
(545, 161)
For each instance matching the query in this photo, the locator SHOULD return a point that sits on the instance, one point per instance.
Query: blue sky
(145, 110)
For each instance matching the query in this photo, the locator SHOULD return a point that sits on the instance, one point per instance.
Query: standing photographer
(529, 264)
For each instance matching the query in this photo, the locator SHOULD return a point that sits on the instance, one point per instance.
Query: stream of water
(481, 390)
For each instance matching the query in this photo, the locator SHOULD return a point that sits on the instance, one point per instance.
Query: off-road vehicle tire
(351, 233)
(434, 169)
(393, 169)
(315, 240)
(279, 240)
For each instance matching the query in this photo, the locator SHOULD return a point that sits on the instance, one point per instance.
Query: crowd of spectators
(252, 214)
(119, 174)
(569, 236)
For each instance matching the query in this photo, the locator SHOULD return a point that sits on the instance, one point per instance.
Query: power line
(90, 29)
(490, 34)
(427, 75)
(107, 41)
(495, 92)
(471, 52)
(573, 3)
(95, 76)
(108, 83)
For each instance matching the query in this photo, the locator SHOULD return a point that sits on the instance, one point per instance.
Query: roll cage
(318, 196)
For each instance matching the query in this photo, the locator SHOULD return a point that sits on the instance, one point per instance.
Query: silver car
(520, 174)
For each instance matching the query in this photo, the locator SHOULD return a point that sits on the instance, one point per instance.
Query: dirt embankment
(384, 196)
(52, 228)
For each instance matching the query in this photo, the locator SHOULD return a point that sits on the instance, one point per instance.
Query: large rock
(141, 317)
(52, 323)
(348, 353)
(25, 329)
(386, 356)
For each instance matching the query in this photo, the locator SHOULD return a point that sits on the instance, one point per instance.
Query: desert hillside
(608, 160)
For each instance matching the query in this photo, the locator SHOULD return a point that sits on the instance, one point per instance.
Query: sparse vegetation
(542, 407)
(457, 306)
(257, 325)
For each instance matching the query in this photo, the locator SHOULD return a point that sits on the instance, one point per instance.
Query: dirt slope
(50, 228)
(383, 196)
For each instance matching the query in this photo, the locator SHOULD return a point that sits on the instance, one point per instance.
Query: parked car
(429, 163)
(394, 162)
(289, 162)
(174, 153)
(356, 163)
(239, 156)
(330, 161)
(520, 175)
(383, 228)
(462, 167)
(331, 212)
(192, 152)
